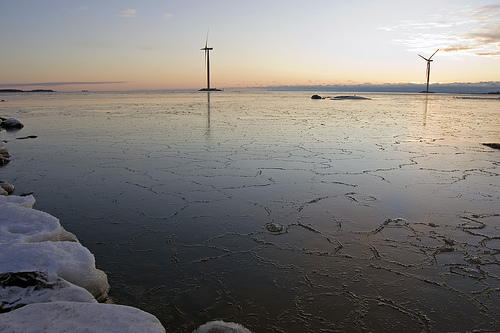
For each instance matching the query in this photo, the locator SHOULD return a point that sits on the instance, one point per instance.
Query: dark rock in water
(350, 97)
(28, 137)
(492, 145)
(210, 89)
(11, 123)
(315, 97)
(3, 160)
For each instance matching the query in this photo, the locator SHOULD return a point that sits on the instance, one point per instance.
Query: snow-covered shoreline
(59, 287)
(49, 281)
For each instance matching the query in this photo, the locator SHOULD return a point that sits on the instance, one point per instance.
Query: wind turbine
(207, 61)
(428, 68)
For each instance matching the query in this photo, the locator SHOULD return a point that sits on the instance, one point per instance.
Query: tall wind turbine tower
(428, 68)
(207, 65)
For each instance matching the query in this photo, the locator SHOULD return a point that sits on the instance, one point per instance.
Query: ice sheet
(275, 211)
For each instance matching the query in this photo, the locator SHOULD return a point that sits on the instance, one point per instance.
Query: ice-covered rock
(18, 289)
(4, 154)
(32, 240)
(20, 223)
(68, 260)
(26, 201)
(220, 326)
(58, 317)
(6, 188)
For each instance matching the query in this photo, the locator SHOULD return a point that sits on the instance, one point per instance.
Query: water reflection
(425, 109)
(208, 114)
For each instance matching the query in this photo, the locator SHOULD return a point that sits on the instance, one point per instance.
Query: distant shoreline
(346, 89)
(24, 91)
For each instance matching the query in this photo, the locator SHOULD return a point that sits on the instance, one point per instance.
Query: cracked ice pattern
(275, 211)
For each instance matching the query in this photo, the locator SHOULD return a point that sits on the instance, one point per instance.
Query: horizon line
(447, 87)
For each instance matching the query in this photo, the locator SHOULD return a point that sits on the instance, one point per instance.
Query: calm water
(273, 210)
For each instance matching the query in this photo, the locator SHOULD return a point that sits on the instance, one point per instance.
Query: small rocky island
(340, 97)
(24, 91)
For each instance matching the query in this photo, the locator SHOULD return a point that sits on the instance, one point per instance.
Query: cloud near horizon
(481, 36)
(128, 12)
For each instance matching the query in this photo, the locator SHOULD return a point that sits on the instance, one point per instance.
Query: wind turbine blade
(423, 58)
(206, 40)
(433, 54)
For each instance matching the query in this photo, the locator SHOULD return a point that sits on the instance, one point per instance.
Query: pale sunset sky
(70, 45)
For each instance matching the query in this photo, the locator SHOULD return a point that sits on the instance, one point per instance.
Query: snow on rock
(21, 288)
(6, 188)
(20, 223)
(69, 260)
(26, 201)
(32, 240)
(220, 326)
(4, 154)
(59, 317)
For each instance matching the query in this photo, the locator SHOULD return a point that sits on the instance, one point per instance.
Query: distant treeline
(19, 90)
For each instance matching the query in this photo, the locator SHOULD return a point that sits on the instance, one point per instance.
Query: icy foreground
(78, 317)
(49, 282)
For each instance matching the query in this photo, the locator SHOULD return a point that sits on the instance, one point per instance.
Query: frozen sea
(272, 210)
